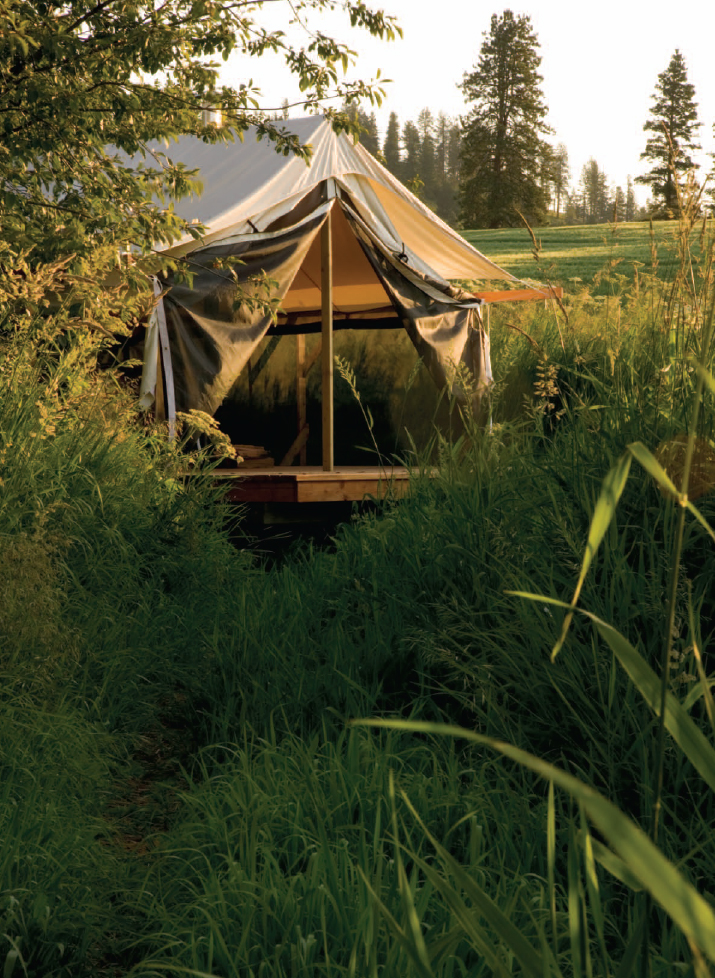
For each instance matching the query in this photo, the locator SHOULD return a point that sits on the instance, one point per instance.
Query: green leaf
(653, 467)
(611, 492)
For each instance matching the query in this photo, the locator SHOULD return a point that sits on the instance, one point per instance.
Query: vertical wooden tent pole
(165, 356)
(326, 288)
(300, 385)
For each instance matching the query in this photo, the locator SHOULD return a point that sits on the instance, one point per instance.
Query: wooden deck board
(309, 484)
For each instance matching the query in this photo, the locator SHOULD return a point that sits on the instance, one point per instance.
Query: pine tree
(454, 151)
(502, 144)
(391, 146)
(427, 164)
(617, 205)
(673, 125)
(368, 126)
(595, 193)
(546, 171)
(442, 128)
(444, 191)
(574, 206)
(370, 138)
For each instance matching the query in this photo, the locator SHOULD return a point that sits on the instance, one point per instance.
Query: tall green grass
(660, 862)
(285, 846)
(181, 792)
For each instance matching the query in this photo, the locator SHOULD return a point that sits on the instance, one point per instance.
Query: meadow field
(473, 736)
(606, 258)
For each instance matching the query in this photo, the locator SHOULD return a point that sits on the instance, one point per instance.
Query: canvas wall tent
(346, 246)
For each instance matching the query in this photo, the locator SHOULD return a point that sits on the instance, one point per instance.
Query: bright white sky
(600, 66)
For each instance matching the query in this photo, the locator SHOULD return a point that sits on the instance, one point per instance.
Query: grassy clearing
(182, 791)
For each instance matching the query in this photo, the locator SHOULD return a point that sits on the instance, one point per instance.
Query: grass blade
(653, 467)
(656, 470)
(408, 903)
(628, 961)
(615, 866)
(397, 931)
(706, 377)
(551, 862)
(611, 492)
(579, 940)
(678, 723)
(594, 895)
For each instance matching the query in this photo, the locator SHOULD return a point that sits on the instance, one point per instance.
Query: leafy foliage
(85, 84)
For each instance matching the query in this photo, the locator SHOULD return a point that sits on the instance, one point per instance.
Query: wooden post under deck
(326, 287)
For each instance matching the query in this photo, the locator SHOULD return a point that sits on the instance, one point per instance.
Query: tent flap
(443, 322)
(216, 323)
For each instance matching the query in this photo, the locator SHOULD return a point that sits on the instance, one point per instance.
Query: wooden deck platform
(310, 484)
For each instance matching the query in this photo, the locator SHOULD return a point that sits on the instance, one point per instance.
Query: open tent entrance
(327, 270)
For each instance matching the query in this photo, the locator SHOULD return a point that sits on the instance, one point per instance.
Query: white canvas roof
(247, 186)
